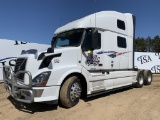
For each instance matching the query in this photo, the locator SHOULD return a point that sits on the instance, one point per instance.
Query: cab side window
(87, 40)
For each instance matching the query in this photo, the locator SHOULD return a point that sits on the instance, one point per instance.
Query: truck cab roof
(104, 20)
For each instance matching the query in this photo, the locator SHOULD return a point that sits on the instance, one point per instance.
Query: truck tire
(147, 77)
(140, 80)
(70, 92)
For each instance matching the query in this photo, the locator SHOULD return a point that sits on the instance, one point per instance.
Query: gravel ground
(127, 104)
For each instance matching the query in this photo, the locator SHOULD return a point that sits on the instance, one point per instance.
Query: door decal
(92, 60)
(113, 53)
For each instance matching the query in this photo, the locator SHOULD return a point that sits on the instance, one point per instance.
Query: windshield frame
(55, 39)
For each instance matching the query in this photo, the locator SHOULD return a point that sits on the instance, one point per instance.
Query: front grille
(20, 66)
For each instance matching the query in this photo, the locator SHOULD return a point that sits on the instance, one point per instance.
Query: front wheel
(70, 92)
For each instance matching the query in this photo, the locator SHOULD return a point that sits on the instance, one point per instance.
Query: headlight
(41, 79)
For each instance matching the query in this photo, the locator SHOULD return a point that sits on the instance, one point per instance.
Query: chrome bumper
(22, 93)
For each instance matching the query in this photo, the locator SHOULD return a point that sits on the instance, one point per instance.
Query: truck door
(123, 52)
(93, 61)
(117, 50)
(122, 77)
(90, 59)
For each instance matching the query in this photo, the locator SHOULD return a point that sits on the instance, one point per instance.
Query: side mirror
(94, 39)
(50, 50)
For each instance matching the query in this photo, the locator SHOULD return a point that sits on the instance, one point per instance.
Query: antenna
(61, 22)
(95, 20)
(95, 15)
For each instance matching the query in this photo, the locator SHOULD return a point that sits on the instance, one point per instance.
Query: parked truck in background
(89, 56)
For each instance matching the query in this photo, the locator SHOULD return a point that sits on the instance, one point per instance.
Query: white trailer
(88, 56)
(10, 49)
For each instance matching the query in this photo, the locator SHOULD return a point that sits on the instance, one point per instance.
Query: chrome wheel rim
(141, 79)
(149, 77)
(75, 92)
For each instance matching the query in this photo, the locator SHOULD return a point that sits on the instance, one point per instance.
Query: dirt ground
(127, 104)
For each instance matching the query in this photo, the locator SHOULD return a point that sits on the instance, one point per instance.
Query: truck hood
(41, 54)
(61, 50)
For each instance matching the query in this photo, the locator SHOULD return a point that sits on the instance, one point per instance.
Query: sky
(36, 20)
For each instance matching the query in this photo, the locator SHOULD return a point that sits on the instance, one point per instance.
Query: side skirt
(107, 91)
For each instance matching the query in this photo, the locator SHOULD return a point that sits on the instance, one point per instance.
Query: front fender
(59, 74)
(66, 74)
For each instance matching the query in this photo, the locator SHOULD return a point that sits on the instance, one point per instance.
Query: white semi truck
(89, 56)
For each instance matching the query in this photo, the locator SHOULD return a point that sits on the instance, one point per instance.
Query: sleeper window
(121, 24)
(121, 42)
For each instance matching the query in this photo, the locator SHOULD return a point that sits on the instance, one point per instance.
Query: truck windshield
(69, 39)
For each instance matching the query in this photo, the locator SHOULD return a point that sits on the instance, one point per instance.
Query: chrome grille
(20, 66)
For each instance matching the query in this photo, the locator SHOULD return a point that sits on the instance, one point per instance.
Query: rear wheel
(140, 80)
(70, 92)
(147, 77)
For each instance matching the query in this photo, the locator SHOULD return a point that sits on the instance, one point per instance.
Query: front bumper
(20, 92)
(27, 93)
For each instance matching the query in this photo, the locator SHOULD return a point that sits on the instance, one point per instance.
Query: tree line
(147, 44)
